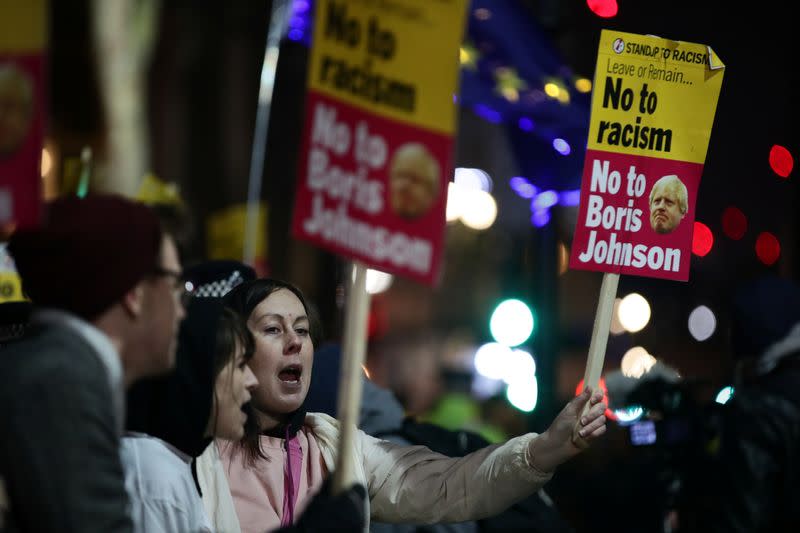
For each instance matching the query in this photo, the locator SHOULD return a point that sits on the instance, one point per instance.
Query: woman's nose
(250, 379)
(292, 342)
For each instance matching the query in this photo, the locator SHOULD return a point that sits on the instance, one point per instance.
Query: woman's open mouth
(291, 374)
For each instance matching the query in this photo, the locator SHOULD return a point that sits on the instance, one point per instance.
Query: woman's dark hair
(231, 332)
(243, 299)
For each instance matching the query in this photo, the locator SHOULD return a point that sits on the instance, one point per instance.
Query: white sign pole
(350, 377)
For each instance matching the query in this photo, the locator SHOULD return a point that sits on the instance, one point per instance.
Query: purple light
(540, 217)
(487, 113)
(525, 124)
(522, 187)
(561, 146)
(518, 181)
(300, 21)
(569, 198)
(455, 98)
(544, 200)
(527, 191)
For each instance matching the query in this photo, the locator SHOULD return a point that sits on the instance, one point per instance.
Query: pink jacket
(404, 483)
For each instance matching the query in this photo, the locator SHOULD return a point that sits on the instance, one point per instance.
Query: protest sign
(23, 34)
(380, 117)
(376, 156)
(652, 111)
(225, 231)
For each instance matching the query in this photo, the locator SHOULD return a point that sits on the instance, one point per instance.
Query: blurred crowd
(143, 395)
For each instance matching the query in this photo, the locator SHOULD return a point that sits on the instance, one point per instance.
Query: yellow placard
(398, 59)
(155, 191)
(10, 287)
(654, 97)
(226, 229)
(23, 26)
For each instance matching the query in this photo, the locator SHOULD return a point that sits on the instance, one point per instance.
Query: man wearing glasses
(106, 283)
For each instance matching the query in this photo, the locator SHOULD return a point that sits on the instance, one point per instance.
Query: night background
(202, 87)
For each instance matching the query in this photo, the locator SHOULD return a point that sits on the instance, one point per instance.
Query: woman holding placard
(266, 480)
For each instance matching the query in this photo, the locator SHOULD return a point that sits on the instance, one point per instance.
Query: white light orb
(455, 202)
(634, 312)
(628, 415)
(511, 323)
(616, 326)
(521, 367)
(702, 323)
(523, 394)
(377, 281)
(473, 178)
(492, 359)
(479, 209)
(636, 362)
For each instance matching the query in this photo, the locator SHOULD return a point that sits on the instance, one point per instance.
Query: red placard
(653, 105)
(379, 123)
(372, 189)
(620, 230)
(22, 119)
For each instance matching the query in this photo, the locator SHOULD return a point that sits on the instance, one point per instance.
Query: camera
(669, 413)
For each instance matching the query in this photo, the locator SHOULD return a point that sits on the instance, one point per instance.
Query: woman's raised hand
(570, 432)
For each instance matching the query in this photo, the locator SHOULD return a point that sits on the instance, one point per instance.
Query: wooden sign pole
(597, 346)
(350, 377)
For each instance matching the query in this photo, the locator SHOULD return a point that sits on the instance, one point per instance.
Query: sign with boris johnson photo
(652, 111)
(380, 117)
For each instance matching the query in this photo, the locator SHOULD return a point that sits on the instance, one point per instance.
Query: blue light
(526, 191)
(569, 198)
(561, 146)
(540, 217)
(628, 415)
(525, 124)
(545, 200)
(518, 181)
(487, 113)
(724, 395)
(522, 187)
(299, 26)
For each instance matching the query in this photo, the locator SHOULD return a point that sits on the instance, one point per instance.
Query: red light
(734, 223)
(603, 8)
(377, 319)
(602, 383)
(768, 249)
(702, 239)
(781, 161)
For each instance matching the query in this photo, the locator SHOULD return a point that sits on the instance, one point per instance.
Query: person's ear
(133, 300)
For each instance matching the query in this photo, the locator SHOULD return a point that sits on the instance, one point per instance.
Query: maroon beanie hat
(87, 253)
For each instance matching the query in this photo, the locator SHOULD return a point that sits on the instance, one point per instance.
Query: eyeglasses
(183, 289)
